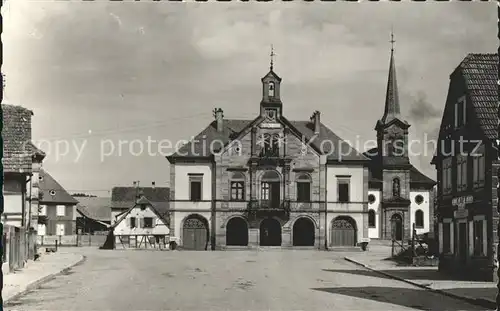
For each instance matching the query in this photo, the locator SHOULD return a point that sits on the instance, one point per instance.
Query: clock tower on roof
(271, 105)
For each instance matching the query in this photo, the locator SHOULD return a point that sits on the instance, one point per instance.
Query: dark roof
(125, 197)
(47, 185)
(35, 152)
(417, 178)
(200, 145)
(16, 134)
(196, 148)
(346, 151)
(96, 208)
(163, 215)
(480, 72)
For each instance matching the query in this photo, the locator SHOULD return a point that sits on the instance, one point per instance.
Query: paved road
(232, 280)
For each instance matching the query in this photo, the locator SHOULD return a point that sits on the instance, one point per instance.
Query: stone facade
(255, 179)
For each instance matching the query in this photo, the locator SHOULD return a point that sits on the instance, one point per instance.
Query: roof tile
(480, 72)
(16, 134)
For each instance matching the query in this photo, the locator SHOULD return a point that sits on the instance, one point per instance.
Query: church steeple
(392, 109)
(392, 130)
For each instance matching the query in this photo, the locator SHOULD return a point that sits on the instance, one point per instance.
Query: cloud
(422, 111)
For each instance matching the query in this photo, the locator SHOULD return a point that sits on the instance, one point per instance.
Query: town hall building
(271, 181)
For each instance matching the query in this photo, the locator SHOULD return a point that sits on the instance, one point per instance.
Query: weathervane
(272, 55)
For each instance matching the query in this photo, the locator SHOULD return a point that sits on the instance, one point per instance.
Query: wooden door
(343, 233)
(194, 234)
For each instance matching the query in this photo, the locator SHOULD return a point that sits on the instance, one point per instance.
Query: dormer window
(460, 112)
(271, 89)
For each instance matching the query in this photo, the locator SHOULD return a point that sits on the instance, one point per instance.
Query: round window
(371, 198)
(40, 177)
(419, 199)
(52, 192)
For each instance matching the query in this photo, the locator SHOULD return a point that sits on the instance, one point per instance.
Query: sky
(103, 78)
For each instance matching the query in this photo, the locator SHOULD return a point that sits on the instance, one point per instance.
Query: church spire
(392, 109)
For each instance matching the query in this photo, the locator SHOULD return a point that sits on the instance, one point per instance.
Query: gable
(164, 216)
(160, 226)
(327, 142)
(52, 191)
(475, 78)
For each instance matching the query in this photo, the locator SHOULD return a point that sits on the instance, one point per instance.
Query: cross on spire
(272, 56)
(392, 40)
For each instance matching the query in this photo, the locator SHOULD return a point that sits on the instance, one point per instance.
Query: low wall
(62, 240)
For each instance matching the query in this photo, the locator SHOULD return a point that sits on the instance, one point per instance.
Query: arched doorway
(397, 227)
(343, 232)
(195, 233)
(303, 232)
(270, 232)
(237, 232)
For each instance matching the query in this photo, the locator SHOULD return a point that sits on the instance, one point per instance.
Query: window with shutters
(304, 188)
(61, 210)
(460, 112)
(133, 223)
(446, 176)
(478, 165)
(446, 237)
(478, 238)
(148, 222)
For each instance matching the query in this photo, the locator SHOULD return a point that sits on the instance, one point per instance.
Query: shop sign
(461, 201)
(461, 213)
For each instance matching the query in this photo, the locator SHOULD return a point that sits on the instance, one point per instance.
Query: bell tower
(271, 105)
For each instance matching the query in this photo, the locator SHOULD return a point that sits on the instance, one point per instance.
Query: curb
(35, 284)
(490, 304)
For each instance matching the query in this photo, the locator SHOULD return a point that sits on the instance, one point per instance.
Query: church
(271, 181)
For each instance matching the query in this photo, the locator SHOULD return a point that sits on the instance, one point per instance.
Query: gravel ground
(231, 280)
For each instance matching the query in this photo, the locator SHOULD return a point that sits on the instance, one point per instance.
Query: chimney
(316, 121)
(219, 117)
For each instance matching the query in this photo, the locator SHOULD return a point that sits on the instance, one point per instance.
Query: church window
(396, 190)
(419, 199)
(371, 218)
(419, 219)
(371, 198)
